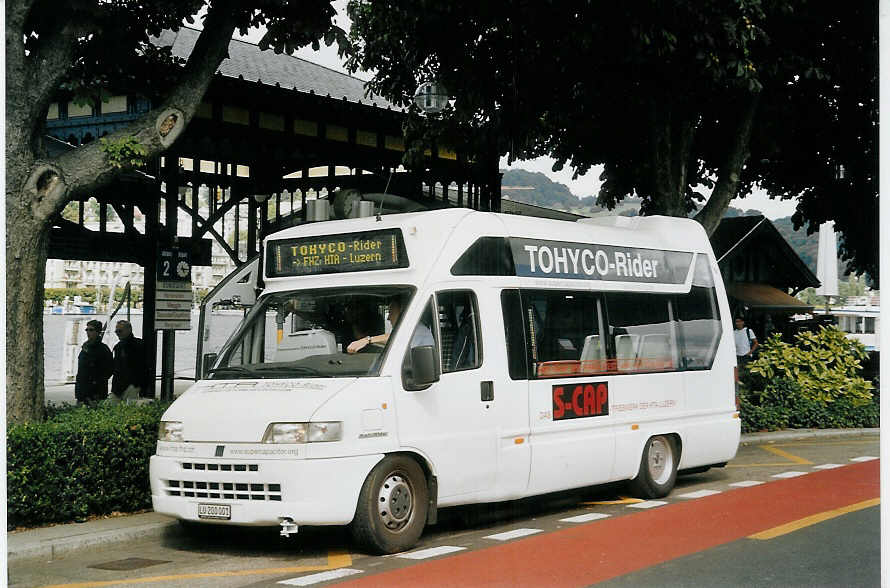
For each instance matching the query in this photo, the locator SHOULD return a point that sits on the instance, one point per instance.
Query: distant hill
(536, 188)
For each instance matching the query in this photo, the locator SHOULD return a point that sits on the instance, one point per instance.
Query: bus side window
(642, 331)
(514, 335)
(563, 330)
(459, 331)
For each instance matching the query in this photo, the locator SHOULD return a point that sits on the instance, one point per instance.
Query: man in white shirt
(745, 341)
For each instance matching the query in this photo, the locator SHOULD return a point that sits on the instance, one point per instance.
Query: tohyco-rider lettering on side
(582, 261)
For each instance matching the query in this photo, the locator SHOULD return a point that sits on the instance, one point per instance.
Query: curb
(799, 434)
(58, 546)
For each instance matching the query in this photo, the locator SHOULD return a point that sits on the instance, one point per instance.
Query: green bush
(814, 383)
(81, 461)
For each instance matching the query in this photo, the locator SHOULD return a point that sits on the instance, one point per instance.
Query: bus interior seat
(626, 347)
(655, 351)
(593, 348)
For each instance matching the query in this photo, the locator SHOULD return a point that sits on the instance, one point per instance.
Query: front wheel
(658, 468)
(392, 506)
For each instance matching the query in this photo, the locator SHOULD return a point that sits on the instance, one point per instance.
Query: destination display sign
(538, 258)
(328, 254)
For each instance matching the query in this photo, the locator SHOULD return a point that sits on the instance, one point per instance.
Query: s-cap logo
(576, 401)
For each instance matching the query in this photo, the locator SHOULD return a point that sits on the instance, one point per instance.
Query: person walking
(745, 342)
(129, 365)
(94, 366)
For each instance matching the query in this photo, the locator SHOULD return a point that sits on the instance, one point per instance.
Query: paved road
(700, 535)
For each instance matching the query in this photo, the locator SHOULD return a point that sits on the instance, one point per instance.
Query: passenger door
(237, 290)
(451, 421)
(572, 436)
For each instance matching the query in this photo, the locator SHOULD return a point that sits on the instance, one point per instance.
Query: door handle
(487, 388)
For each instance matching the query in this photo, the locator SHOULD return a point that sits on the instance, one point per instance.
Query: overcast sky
(586, 185)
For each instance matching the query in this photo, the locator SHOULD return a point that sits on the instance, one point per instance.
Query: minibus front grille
(223, 490)
(220, 467)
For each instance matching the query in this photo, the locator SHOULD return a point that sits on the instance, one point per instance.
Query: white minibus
(392, 365)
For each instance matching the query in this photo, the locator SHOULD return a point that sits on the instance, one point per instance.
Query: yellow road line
(758, 465)
(821, 443)
(786, 455)
(774, 449)
(621, 500)
(812, 520)
(336, 559)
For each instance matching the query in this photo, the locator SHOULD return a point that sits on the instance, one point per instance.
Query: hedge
(81, 461)
(816, 382)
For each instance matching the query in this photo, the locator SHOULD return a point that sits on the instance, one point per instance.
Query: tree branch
(727, 185)
(16, 14)
(87, 167)
(16, 73)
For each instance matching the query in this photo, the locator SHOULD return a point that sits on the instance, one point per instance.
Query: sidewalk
(51, 542)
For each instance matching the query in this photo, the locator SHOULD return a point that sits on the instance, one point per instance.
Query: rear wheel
(392, 506)
(658, 468)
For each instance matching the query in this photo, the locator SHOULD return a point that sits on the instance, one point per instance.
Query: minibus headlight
(324, 432)
(170, 431)
(302, 432)
(285, 433)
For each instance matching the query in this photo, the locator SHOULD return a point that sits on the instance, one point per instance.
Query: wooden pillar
(152, 204)
(171, 178)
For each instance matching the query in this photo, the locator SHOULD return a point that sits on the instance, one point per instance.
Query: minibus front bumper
(259, 491)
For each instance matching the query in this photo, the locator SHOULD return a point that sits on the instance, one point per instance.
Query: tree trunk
(727, 186)
(37, 190)
(26, 251)
(671, 137)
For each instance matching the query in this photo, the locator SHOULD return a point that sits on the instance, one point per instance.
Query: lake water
(59, 327)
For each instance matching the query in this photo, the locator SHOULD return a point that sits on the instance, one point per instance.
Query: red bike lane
(584, 555)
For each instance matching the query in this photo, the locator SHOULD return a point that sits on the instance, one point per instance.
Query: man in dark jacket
(129, 365)
(94, 367)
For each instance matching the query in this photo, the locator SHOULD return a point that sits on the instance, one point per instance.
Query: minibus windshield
(314, 334)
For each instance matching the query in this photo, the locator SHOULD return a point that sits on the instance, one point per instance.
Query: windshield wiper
(291, 369)
(235, 369)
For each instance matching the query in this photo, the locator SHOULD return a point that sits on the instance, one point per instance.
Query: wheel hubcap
(395, 502)
(660, 460)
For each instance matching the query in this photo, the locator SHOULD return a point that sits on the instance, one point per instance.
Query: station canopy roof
(247, 62)
(766, 298)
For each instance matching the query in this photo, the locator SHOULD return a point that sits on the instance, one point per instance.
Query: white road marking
(746, 483)
(789, 474)
(827, 466)
(863, 458)
(592, 516)
(321, 577)
(431, 552)
(507, 535)
(699, 494)
(647, 504)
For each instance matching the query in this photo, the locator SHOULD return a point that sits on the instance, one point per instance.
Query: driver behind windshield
(395, 311)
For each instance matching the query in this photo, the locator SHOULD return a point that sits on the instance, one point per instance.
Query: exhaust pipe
(288, 527)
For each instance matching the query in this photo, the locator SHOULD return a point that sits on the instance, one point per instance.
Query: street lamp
(431, 97)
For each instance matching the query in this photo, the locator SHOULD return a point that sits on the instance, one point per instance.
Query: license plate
(215, 511)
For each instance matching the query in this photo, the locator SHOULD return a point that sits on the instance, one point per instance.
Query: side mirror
(208, 360)
(423, 369)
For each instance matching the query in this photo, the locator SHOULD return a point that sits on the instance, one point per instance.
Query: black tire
(658, 468)
(392, 506)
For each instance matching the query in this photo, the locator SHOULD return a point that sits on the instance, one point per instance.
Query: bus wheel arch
(393, 505)
(658, 466)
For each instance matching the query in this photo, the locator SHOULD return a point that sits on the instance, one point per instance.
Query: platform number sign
(174, 265)
(173, 299)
